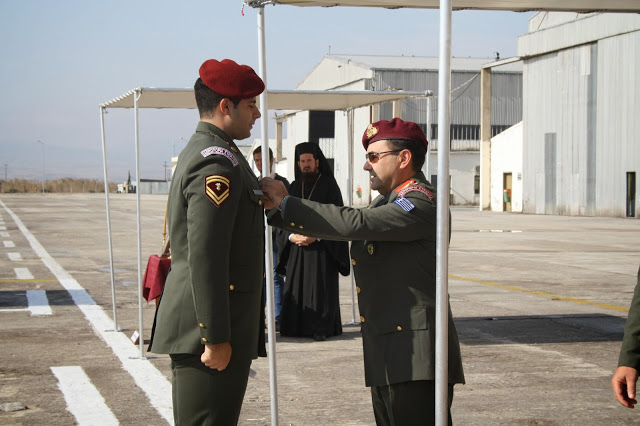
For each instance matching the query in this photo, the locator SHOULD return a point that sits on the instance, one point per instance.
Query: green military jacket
(216, 225)
(394, 261)
(630, 351)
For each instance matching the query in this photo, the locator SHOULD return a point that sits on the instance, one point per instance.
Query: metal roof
(153, 97)
(420, 63)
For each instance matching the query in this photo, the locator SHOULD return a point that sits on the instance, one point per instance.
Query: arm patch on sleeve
(217, 188)
(216, 150)
(412, 188)
(405, 204)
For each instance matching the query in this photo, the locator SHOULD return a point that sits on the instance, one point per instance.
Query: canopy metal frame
(446, 8)
(161, 98)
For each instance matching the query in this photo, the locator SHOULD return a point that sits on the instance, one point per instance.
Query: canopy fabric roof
(316, 100)
(513, 5)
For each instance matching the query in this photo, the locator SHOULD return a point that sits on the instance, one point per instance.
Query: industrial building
(408, 73)
(581, 117)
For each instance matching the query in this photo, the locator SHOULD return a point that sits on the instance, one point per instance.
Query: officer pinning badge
(370, 249)
(371, 131)
(217, 150)
(217, 188)
(405, 204)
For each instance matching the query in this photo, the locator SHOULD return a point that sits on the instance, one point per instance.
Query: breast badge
(217, 188)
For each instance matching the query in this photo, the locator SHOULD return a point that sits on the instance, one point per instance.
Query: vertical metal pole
(442, 232)
(136, 96)
(485, 139)
(40, 142)
(350, 201)
(268, 261)
(106, 201)
(428, 134)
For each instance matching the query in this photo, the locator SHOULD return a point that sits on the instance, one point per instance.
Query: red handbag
(157, 269)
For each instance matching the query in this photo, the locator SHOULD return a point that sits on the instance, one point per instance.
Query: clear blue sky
(61, 59)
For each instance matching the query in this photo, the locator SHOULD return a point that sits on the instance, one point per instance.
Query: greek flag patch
(220, 151)
(405, 204)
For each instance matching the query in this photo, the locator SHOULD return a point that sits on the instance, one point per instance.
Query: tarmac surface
(539, 302)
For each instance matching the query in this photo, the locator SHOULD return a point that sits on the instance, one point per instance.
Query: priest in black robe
(310, 300)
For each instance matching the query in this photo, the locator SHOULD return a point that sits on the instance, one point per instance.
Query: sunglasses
(373, 157)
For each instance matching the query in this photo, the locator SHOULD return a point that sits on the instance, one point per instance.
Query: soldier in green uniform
(625, 378)
(209, 315)
(394, 260)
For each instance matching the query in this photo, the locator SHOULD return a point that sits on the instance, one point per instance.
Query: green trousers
(407, 404)
(202, 396)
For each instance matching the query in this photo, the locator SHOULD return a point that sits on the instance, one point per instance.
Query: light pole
(39, 141)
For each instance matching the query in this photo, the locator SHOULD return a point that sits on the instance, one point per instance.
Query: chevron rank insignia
(405, 204)
(217, 188)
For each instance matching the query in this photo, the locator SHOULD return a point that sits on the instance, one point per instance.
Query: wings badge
(217, 188)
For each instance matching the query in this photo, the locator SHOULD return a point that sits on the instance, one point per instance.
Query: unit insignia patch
(217, 150)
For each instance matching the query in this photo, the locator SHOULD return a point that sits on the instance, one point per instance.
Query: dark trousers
(202, 396)
(407, 404)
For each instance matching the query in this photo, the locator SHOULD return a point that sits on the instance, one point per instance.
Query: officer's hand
(624, 385)
(274, 191)
(216, 356)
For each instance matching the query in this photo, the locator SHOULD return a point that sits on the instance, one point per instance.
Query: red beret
(394, 129)
(231, 80)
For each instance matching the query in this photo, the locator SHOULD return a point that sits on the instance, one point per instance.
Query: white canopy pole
(350, 201)
(136, 96)
(106, 200)
(427, 169)
(442, 227)
(268, 261)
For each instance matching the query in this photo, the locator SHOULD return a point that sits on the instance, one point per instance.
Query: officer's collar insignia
(217, 150)
(370, 249)
(217, 188)
(371, 131)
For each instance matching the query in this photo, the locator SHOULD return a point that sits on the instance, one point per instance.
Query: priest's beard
(310, 177)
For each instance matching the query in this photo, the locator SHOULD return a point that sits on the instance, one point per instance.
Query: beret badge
(371, 131)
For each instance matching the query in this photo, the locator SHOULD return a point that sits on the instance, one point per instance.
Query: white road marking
(16, 257)
(23, 273)
(38, 302)
(3, 228)
(148, 378)
(83, 399)
(9, 244)
(4, 234)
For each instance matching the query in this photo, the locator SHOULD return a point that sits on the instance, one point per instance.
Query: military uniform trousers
(203, 396)
(407, 403)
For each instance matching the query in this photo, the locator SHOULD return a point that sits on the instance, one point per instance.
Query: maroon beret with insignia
(231, 80)
(394, 129)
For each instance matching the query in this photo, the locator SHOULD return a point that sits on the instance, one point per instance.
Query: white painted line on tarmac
(23, 273)
(9, 244)
(16, 257)
(4, 234)
(83, 399)
(3, 228)
(148, 378)
(38, 302)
